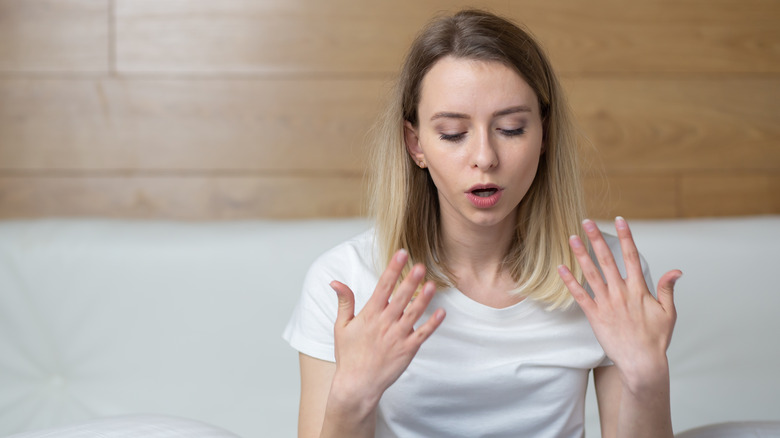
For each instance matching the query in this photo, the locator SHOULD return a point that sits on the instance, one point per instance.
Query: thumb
(346, 310)
(666, 288)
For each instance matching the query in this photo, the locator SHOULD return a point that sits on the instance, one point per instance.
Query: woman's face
(480, 136)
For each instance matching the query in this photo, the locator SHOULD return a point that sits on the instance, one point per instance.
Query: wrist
(647, 378)
(350, 401)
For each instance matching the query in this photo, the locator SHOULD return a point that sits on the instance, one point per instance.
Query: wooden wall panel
(632, 196)
(663, 124)
(349, 36)
(244, 36)
(193, 124)
(54, 35)
(730, 194)
(241, 109)
(311, 124)
(181, 198)
(657, 36)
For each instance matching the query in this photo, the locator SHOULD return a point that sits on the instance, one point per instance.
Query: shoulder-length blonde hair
(403, 198)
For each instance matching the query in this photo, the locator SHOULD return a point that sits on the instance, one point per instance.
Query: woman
(475, 193)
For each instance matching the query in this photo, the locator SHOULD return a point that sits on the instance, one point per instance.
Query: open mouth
(484, 193)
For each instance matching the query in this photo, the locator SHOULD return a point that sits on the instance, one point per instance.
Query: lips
(484, 195)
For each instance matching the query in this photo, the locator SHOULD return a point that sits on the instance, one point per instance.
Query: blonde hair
(404, 199)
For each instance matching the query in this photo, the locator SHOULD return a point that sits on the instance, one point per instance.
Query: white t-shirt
(519, 371)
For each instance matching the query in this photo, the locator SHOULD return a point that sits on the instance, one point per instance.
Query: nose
(484, 155)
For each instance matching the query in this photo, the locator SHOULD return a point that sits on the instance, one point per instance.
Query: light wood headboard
(239, 109)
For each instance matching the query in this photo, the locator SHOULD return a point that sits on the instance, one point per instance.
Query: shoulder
(353, 255)
(352, 262)
(310, 329)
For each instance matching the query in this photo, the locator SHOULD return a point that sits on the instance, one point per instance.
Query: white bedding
(104, 318)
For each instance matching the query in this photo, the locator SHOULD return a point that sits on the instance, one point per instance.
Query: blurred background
(239, 109)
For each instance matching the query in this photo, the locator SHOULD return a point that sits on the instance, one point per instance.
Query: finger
(665, 289)
(418, 305)
(425, 330)
(628, 248)
(346, 309)
(403, 294)
(592, 274)
(577, 291)
(603, 254)
(387, 282)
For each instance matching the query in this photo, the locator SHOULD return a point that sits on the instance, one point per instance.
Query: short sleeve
(310, 328)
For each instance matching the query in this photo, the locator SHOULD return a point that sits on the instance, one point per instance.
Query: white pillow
(132, 426)
(736, 429)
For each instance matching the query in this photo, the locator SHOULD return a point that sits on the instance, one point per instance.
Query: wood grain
(631, 196)
(196, 109)
(662, 125)
(347, 36)
(181, 198)
(268, 124)
(186, 124)
(657, 36)
(244, 36)
(730, 194)
(54, 36)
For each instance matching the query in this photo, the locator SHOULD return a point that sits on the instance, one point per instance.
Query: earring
(422, 164)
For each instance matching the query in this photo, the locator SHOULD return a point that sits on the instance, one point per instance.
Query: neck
(477, 252)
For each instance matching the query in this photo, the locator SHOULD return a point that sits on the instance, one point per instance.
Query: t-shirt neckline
(477, 309)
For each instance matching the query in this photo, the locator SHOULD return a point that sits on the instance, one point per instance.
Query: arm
(316, 378)
(621, 410)
(316, 383)
(634, 328)
(372, 350)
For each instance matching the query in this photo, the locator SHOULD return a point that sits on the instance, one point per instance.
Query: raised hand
(632, 326)
(376, 346)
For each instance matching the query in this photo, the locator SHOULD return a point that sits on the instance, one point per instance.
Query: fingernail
(428, 289)
(620, 223)
(575, 241)
(589, 225)
(400, 256)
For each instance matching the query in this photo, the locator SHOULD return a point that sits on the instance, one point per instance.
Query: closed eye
(513, 132)
(452, 137)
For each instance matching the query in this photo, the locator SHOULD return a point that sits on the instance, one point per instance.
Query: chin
(490, 218)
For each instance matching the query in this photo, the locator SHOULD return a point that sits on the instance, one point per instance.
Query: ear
(412, 140)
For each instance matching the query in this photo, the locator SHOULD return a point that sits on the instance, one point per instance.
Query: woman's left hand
(633, 327)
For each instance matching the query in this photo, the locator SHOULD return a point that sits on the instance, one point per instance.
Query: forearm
(348, 413)
(645, 409)
(345, 424)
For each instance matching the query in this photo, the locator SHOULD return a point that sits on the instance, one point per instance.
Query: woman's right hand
(375, 347)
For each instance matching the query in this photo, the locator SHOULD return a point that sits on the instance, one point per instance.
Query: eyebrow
(512, 110)
(503, 112)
